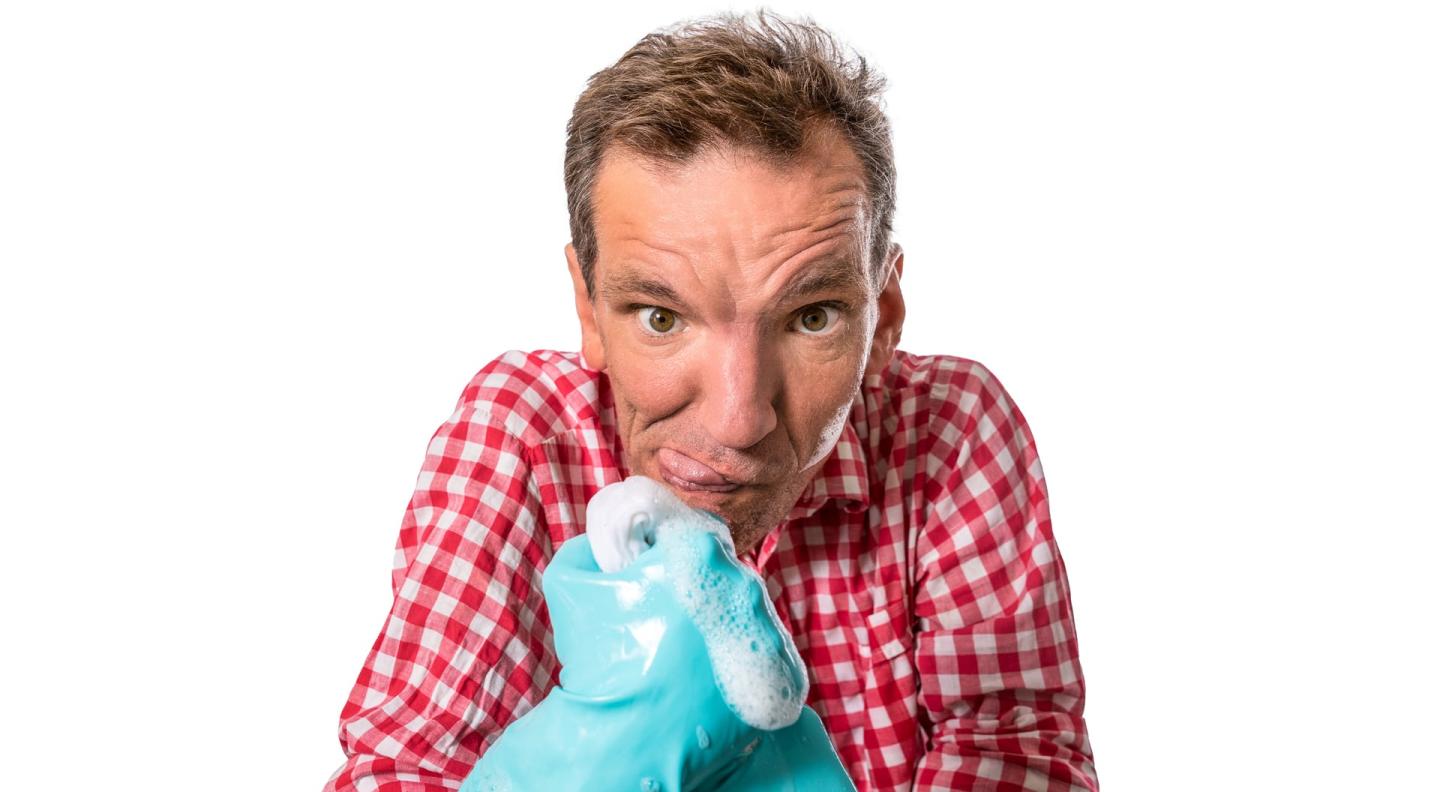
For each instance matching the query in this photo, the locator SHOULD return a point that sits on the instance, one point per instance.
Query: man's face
(734, 314)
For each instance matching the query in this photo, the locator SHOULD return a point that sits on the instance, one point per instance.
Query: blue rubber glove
(639, 706)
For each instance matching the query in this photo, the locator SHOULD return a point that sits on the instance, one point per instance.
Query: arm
(1000, 680)
(465, 649)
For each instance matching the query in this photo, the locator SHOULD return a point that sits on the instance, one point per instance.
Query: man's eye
(657, 321)
(816, 319)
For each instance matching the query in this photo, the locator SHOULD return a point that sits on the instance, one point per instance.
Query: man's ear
(592, 347)
(891, 310)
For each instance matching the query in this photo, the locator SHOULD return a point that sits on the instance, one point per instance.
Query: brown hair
(723, 80)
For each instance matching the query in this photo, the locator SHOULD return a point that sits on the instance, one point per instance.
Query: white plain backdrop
(253, 252)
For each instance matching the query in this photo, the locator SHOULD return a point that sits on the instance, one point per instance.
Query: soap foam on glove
(677, 675)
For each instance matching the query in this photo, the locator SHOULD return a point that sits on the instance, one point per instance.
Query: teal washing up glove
(677, 675)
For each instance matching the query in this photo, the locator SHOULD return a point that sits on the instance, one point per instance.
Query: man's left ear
(891, 309)
(592, 346)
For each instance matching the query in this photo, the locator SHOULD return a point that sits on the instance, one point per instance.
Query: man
(731, 189)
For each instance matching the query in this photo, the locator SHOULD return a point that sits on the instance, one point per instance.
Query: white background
(253, 252)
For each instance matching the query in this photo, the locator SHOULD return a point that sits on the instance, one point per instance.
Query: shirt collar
(843, 478)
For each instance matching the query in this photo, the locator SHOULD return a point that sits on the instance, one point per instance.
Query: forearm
(1005, 694)
(1018, 750)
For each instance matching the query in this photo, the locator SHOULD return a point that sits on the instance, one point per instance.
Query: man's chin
(746, 538)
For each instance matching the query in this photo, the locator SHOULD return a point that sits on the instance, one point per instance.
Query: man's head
(731, 188)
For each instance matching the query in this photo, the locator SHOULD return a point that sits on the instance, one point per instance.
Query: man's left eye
(816, 319)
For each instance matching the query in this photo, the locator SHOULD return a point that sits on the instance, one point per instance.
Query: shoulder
(533, 396)
(952, 413)
(964, 375)
(952, 395)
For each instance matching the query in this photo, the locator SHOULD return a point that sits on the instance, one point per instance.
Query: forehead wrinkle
(843, 220)
(631, 267)
(838, 216)
(625, 235)
(836, 268)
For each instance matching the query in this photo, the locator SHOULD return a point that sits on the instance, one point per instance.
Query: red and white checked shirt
(918, 575)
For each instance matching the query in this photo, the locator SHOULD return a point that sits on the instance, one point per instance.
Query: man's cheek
(651, 392)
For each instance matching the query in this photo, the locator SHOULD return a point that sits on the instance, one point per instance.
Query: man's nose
(741, 387)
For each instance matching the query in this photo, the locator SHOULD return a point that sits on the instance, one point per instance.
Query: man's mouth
(690, 474)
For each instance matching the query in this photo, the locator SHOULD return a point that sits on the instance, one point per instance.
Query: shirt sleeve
(1000, 684)
(465, 648)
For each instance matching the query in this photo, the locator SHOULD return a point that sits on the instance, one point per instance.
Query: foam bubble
(620, 523)
(622, 520)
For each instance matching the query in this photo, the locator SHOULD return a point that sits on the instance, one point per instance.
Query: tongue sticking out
(690, 473)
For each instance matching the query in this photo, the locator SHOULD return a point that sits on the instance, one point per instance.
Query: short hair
(761, 86)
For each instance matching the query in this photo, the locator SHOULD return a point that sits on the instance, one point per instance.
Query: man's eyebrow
(633, 284)
(837, 274)
(834, 275)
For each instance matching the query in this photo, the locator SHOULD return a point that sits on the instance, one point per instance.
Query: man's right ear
(592, 346)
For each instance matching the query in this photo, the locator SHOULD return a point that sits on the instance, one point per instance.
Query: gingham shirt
(918, 575)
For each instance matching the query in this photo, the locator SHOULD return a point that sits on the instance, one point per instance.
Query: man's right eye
(657, 321)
